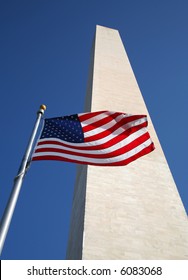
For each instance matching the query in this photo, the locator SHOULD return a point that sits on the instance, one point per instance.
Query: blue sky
(44, 58)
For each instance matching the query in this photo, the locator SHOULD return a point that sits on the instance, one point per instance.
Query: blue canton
(66, 128)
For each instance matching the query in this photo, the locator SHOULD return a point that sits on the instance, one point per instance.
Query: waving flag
(101, 138)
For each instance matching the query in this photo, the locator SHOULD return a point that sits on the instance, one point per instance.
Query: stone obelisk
(129, 212)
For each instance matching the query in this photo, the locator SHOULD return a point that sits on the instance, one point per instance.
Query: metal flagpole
(9, 210)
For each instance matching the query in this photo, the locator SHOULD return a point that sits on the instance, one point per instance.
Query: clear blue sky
(44, 58)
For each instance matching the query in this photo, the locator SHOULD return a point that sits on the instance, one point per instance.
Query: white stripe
(112, 148)
(95, 118)
(99, 160)
(112, 123)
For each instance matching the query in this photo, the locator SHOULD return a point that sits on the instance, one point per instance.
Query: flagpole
(9, 210)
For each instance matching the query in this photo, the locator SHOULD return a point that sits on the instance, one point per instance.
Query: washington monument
(134, 211)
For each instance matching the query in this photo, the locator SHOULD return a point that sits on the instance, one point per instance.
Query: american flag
(102, 138)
